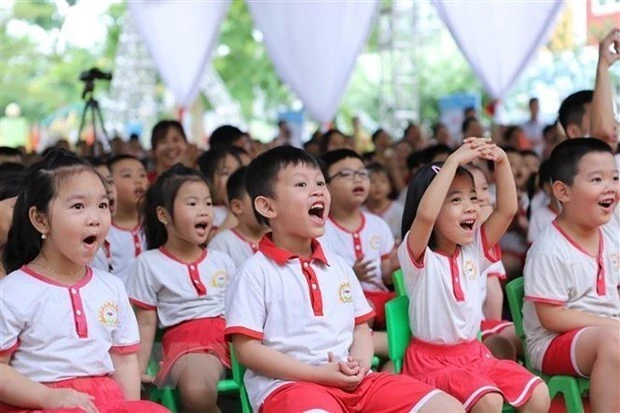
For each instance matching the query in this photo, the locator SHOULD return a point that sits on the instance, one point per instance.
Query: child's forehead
(127, 164)
(461, 182)
(594, 161)
(193, 187)
(289, 171)
(347, 162)
(78, 181)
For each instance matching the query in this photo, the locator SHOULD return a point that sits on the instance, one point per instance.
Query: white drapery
(499, 38)
(181, 37)
(314, 46)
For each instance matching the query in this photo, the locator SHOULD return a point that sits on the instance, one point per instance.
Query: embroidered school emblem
(344, 293)
(471, 272)
(375, 242)
(219, 279)
(108, 314)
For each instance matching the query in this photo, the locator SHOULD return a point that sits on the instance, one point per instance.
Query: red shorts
(468, 371)
(560, 355)
(378, 300)
(489, 327)
(203, 335)
(106, 391)
(378, 393)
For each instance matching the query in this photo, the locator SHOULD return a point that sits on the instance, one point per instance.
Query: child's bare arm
(602, 111)
(147, 325)
(507, 205)
(127, 374)
(495, 299)
(558, 319)
(362, 347)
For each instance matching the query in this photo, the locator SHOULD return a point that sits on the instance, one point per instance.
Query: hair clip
(436, 168)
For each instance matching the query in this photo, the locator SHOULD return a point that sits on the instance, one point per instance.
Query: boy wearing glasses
(364, 240)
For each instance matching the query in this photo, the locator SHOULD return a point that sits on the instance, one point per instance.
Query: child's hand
(609, 49)
(471, 149)
(351, 367)
(494, 153)
(67, 398)
(363, 269)
(331, 375)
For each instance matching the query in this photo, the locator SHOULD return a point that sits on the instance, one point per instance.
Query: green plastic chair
(238, 372)
(169, 396)
(399, 283)
(398, 331)
(571, 388)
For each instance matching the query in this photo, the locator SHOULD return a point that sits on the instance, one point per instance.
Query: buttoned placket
(194, 276)
(79, 317)
(316, 299)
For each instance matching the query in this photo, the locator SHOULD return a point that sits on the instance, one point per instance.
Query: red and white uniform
(373, 240)
(392, 215)
(558, 271)
(539, 220)
(188, 298)
(445, 315)
(233, 244)
(119, 250)
(303, 308)
(56, 332)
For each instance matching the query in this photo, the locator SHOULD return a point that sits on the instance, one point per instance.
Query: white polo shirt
(447, 291)
(373, 240)
(496, 269)
(303, 308)
(180, 291)
(119, 250)
(558, 271)
(233, 244)
(539, 220)
(392, 215)
(56, 332)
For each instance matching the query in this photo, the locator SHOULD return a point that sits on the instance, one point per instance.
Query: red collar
(281, 256)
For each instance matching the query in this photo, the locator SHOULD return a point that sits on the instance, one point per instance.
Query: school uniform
(392, 215)
(189, 300)
(62, 335)
(233, 244)
(374, 241)
(119, 250)
(305, 308)
(489, 327)
(539, 220)
(560, 272)
(446, 296)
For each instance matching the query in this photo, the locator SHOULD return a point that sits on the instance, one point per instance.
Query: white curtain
(180, 36)
(499, 38)
(314, 46)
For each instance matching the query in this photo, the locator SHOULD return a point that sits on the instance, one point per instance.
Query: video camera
(94, 74)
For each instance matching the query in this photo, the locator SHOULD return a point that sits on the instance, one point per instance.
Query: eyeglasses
(350, 174)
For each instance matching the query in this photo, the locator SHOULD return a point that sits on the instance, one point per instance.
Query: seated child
(381, 198)
(541, 217)
(443, 255)
(296, 313)
(571, 311)
(11, 175)
(240, 242)
(181, 285)
(68, 336)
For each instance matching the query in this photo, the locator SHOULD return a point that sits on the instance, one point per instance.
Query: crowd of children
(290, 255)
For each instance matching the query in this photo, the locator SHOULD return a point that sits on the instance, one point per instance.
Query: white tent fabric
(314, 45)
(499, 38)
(180, 38)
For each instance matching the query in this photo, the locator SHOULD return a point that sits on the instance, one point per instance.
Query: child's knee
(442, 402)
(609, 345)
(490, 402)
(539, 401)
(198, 394)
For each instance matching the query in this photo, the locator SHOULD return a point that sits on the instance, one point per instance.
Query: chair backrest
(238, 371)
(399, 283)
(398, 331)
(515, 292)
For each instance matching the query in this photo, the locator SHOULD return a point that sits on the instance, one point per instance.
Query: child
(63, 323)
(182, 285)
(103, 259)
(10, 186)
(216, 166)
(381, 197)
(168, 144)
(240, 242)
(443, 254)
(296, 313)
(125, 241)
(572, 310)
(543, 216)
(364, 240)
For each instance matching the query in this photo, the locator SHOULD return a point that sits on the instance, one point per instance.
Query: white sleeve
(141, 285)
(406, 260)
(245, 304)
(126, 336)
(544, 276)
(11, 326)
(363, 311)
(387, 238)
(487, 254)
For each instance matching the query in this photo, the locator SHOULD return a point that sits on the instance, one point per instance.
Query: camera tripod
(92, 106)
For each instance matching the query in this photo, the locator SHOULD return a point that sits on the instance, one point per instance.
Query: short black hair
(431, 152)
(235, 186)
(326, 139)
(124, 157)
(332, 157)
(532, 100)
(566, 156)
(573, 108)
(262, 172)
(544, 173)
(529, 152)
(209, 161)
(11, 179)
(9, 151)
(376, 134)
(224, 136)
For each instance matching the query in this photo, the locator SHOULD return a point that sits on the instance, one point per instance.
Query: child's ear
(236, 207)
(39, 221)
(265, 206)
(163, 216)
(561, 191)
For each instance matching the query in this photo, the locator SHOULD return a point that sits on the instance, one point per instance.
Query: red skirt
(108, 396)
(203, 335)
